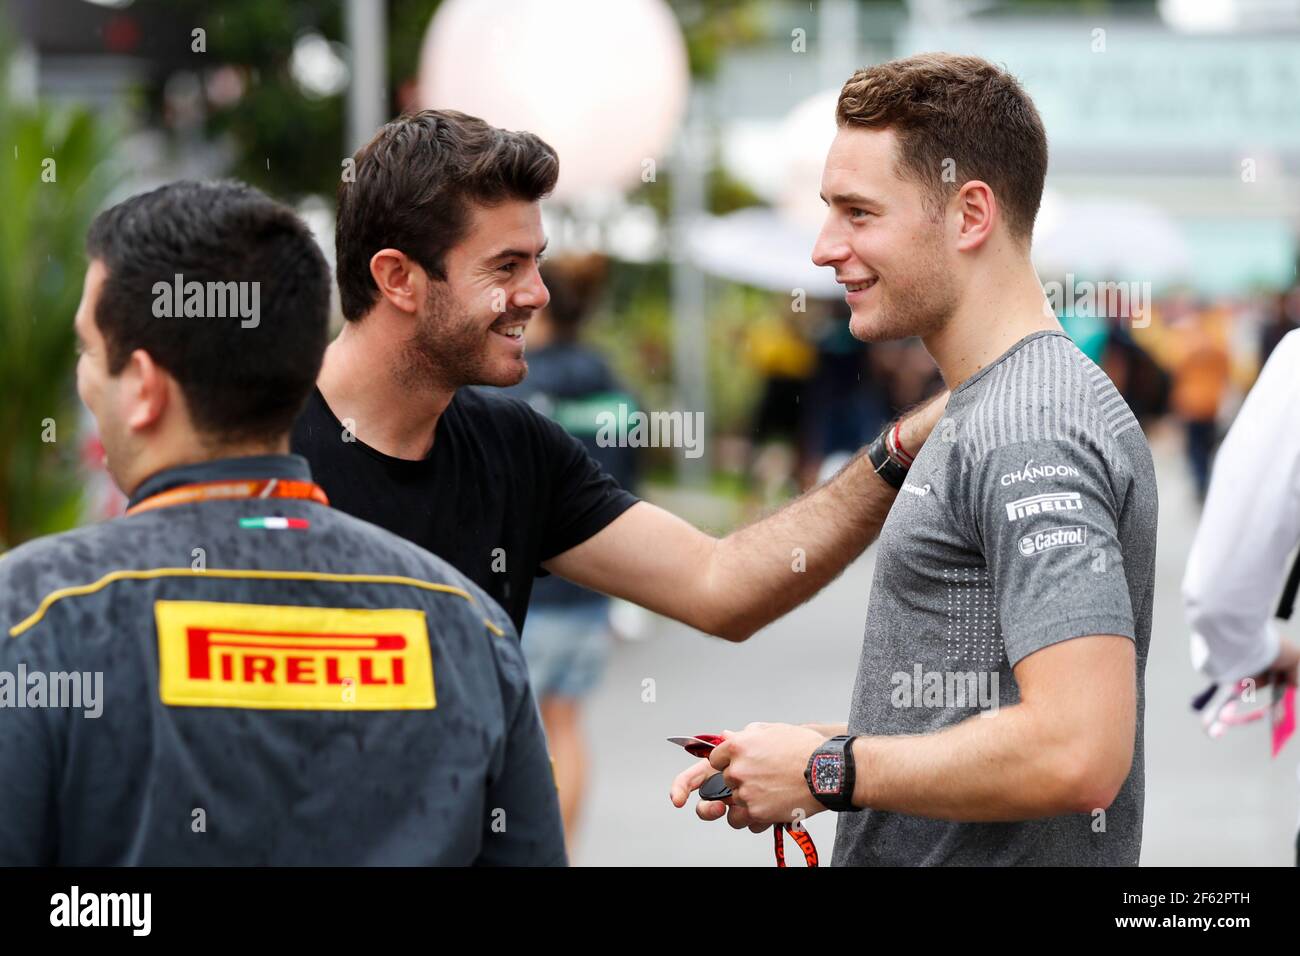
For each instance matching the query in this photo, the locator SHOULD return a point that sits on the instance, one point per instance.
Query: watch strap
(892, 471)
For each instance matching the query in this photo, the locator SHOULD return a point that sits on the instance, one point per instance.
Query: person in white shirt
(1250, 526)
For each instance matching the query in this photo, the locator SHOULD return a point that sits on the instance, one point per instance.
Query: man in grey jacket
(235, 673)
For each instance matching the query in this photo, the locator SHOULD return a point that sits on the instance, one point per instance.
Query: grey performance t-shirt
(1028, 518)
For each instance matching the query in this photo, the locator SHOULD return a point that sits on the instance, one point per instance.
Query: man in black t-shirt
(502, 489)
(438, 241)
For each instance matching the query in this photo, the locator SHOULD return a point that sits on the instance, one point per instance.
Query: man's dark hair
(241, 381)
(412, 187)
(960, 113)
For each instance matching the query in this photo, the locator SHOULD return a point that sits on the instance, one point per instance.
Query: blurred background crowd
(691, 135)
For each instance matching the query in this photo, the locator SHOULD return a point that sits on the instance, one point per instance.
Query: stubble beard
(448, 348)
(919, 303)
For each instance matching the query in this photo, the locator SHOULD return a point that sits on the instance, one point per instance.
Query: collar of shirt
(223, 469)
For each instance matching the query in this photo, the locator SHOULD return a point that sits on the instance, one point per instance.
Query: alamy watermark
(76, 690)
(133, 911)
(208, 300)
(638, 429)
(948, 689)
(1105, 300)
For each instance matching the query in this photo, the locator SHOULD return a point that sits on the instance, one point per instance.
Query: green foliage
(734, 382)
(724, 193)
(713, 26)
(42, 236)
(286, 142)
(633, 327)
(288, 160)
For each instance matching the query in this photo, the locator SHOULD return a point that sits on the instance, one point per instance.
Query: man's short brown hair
(959, 109)
(413, 186)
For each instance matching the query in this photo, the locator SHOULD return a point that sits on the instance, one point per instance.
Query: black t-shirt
(574, 385)
(503, 489)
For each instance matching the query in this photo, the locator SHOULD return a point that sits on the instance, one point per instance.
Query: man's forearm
(767, 569)
(1012, 766)
(828, 730)
(771, 567)
(734, 586)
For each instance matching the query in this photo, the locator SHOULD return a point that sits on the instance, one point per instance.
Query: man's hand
(920, 422)
(692, 779)
(1284, 666)
(763, 765)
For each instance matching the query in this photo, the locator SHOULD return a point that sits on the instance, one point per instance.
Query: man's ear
(977, 211)
(145, 391)
(400, 279)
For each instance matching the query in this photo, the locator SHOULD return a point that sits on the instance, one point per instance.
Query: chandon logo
(1032, 473)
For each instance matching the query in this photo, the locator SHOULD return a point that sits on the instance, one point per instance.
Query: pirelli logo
(270, 657)
(1043, 504)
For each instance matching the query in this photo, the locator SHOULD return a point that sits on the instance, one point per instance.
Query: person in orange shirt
(1200, 377)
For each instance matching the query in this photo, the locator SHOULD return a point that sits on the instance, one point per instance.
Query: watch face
(828, 773)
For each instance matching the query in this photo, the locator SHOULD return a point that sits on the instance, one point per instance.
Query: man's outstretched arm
(733, 586)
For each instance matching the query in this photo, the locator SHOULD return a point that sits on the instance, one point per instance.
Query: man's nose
(534, 295)
(830, 247)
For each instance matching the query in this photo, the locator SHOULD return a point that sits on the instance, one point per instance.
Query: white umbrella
(760, 247)
(772, 248)
(1111, 239)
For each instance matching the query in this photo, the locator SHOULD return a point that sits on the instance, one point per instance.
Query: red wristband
(903, 454)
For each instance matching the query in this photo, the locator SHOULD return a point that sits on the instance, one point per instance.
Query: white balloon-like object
(605, 83)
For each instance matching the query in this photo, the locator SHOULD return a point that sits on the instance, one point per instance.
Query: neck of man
(359, 384)
(1002, 303)
(189, 448)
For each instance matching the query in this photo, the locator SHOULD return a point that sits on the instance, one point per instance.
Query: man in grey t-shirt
(996, 717)
(1029, 520)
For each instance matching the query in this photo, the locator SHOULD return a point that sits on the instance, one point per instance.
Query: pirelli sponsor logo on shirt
(271, 657)
(1044, 504)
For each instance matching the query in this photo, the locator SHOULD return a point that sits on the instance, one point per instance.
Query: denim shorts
(566, 647)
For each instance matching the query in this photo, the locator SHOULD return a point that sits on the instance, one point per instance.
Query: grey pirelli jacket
(261, 681)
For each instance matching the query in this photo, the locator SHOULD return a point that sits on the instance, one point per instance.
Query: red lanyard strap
(225, 490)
(801, 836)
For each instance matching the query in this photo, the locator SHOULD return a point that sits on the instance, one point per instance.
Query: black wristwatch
(886, 466)
(830, 774)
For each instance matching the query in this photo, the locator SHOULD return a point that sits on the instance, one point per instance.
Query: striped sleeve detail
(1047, 390)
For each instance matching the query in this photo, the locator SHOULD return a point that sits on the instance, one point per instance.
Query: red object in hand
(701, 750)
